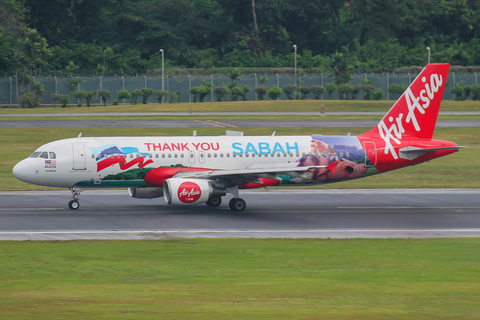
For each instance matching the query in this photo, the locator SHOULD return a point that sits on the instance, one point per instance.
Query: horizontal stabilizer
(411, 153)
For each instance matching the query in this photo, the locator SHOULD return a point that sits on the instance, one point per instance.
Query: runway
(210, 123)
(277, 213)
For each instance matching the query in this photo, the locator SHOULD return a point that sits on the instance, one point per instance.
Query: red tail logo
(414, 115)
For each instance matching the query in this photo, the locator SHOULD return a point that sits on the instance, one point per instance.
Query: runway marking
(222, 123)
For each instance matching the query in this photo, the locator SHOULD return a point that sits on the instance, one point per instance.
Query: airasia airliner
(195, 170)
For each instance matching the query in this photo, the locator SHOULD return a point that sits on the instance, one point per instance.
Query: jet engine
(180, 191)
(145, 192)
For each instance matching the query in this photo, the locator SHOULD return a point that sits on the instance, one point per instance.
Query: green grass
(226, 118)
(239, 106)
(241, 279)
(454, 171)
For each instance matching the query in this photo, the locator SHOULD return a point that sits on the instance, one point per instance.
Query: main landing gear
(74, 204)
(214, 201)
(237, 204)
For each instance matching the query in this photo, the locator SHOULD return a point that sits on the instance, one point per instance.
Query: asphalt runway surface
(276, 213)
(210, 123)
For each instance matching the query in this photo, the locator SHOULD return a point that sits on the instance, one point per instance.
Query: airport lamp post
(163, 74)
(295, 47)
(428, 49)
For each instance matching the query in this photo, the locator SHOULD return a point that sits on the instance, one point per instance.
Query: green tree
(330, 87)
(378, 94)
(220, 92)
(104, 94)
(80, 94)
(124, 94)
(160, 94)
(304, 90)
(63, 99)
(289, 90)
(317, 91)
(274, 93)
(135, 93)
(146, 93)
(261, 92)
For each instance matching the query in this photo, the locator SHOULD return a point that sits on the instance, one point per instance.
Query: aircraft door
(191, 156)
(371, 152)
(201, 155)
(78, 156)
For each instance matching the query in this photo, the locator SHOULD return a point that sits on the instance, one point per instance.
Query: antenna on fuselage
(79, 135)
(273, 133)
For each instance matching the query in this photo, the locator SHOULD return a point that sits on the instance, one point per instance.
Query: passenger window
(175, 155)
(246, 155)
(156, 155)
(44, 155)
(182, 155)
(209, 155)
(52, 155)
(35, 154)
(228, 155)
(163, 155)
(131, 155)
(169, 155)
(221, 155)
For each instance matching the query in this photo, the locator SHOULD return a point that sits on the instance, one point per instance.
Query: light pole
(428, 49)
(295, 47)
(163, 74)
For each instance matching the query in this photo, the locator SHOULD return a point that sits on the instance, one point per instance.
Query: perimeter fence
(182, 84)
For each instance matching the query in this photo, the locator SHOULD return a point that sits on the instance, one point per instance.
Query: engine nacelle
(145, 192)
(180, 191)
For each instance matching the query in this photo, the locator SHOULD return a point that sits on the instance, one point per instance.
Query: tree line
(125, 36)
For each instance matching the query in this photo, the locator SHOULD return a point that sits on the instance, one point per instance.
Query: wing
(254, 173)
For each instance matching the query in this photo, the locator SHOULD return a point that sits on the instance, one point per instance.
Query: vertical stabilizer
(415, 112)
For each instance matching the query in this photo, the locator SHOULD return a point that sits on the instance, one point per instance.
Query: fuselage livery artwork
(195, 170)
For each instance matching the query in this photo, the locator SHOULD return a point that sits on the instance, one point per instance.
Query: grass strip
(241, 279)
(250, 106)
(226, 118)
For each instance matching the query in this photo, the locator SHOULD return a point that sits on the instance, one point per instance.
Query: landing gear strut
(74, 204)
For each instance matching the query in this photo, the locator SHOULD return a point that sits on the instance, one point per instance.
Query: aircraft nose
(20, 171)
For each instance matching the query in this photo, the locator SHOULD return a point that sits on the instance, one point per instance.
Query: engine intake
(145, 193)
(180, 191)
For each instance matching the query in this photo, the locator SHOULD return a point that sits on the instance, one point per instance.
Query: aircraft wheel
(237, 204)
(73, 204)
(214, 201)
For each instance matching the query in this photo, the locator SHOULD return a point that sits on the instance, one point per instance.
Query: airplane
(190, 170)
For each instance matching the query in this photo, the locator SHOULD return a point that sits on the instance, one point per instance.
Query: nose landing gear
(74, 204)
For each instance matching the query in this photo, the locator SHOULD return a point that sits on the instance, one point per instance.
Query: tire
(73, 204)
(214, 201)
(237, 204)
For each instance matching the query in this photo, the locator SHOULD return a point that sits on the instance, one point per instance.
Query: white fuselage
(91, 160)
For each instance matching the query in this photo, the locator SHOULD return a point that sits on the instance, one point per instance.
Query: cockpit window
(35, 154)
(52, 155)
(44, 155)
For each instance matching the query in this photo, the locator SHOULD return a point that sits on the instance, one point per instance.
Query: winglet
(332, 166)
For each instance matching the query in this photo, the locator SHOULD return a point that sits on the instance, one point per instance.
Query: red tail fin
(414, 115)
